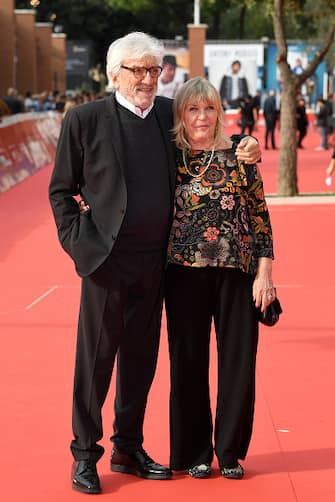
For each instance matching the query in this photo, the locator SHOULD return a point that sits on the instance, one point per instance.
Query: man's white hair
(135, 45)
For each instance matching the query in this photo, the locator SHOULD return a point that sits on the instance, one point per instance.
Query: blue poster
(298, 57)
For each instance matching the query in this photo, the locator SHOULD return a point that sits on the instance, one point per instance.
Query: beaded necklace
(207, 166)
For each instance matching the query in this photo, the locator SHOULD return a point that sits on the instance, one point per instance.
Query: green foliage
(102, 21)
(91, 20)
(132, 5)
(308, 19)
(236, 19)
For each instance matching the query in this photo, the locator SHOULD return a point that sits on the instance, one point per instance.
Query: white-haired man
(118, 155)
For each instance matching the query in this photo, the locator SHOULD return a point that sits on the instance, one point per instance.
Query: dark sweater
(146, 222)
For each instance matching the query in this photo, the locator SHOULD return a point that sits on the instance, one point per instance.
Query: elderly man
(118, 155)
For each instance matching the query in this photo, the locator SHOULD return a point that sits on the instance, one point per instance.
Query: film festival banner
(27, 143)
(245, 62)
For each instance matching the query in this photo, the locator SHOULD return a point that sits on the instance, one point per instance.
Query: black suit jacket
(226, 88)
(90, 164)
(270, 110)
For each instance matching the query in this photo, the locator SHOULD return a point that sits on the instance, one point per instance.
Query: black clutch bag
(271, 314)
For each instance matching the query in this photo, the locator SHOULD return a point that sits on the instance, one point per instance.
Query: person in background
(331, 114)
(257, 103)
(298, 68)
(60, 100)
(329, 104)
(248, 113)
(270, 116)
(70, 102)
(219, 267)
(14, 104)
(30, 102)
(98, 79)
(117, 155)
(45, 102)
(321, 115)
(234, 86)
(168, 83)
(4, 110)
(302, 121)
(331, 99)
(330, 169)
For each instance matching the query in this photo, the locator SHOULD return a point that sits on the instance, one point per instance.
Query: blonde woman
(219, 268)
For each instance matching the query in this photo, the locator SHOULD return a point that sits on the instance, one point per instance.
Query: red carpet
(292, 455)
(311, 164)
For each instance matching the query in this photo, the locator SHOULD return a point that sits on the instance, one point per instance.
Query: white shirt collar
(131, 107)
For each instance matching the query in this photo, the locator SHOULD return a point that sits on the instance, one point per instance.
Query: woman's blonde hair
(195, 90)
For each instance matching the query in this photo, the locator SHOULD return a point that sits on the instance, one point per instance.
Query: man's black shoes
(139, 464)
(85, 478)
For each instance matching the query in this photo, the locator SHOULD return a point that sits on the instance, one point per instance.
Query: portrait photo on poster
(234, 69)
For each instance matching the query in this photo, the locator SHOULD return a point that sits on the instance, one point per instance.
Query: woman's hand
(248, 150)
(263, 291)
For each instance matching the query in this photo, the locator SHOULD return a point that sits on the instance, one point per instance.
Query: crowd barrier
(27, 143)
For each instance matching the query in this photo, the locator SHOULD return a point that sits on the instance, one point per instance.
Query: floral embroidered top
(220, 215)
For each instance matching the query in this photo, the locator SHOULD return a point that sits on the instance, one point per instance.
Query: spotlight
(35, 3)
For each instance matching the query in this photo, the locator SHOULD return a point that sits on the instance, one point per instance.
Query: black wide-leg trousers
(193, 297)
(120, 314)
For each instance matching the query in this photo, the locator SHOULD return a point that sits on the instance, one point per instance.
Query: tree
(234, 19)
(288, 182)
(164, 19)
(103, 21)
(92, 20)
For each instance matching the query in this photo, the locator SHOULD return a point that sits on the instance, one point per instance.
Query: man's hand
(83, 206)
(248, 150)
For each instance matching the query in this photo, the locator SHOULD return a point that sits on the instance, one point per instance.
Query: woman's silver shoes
(204, 471)
(233, 472)
(200, 471)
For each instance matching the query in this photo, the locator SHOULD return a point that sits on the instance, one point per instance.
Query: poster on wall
(298, 56)
(235, 70)
(77, 63)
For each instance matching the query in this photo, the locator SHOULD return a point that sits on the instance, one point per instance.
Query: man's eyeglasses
(140, 72)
